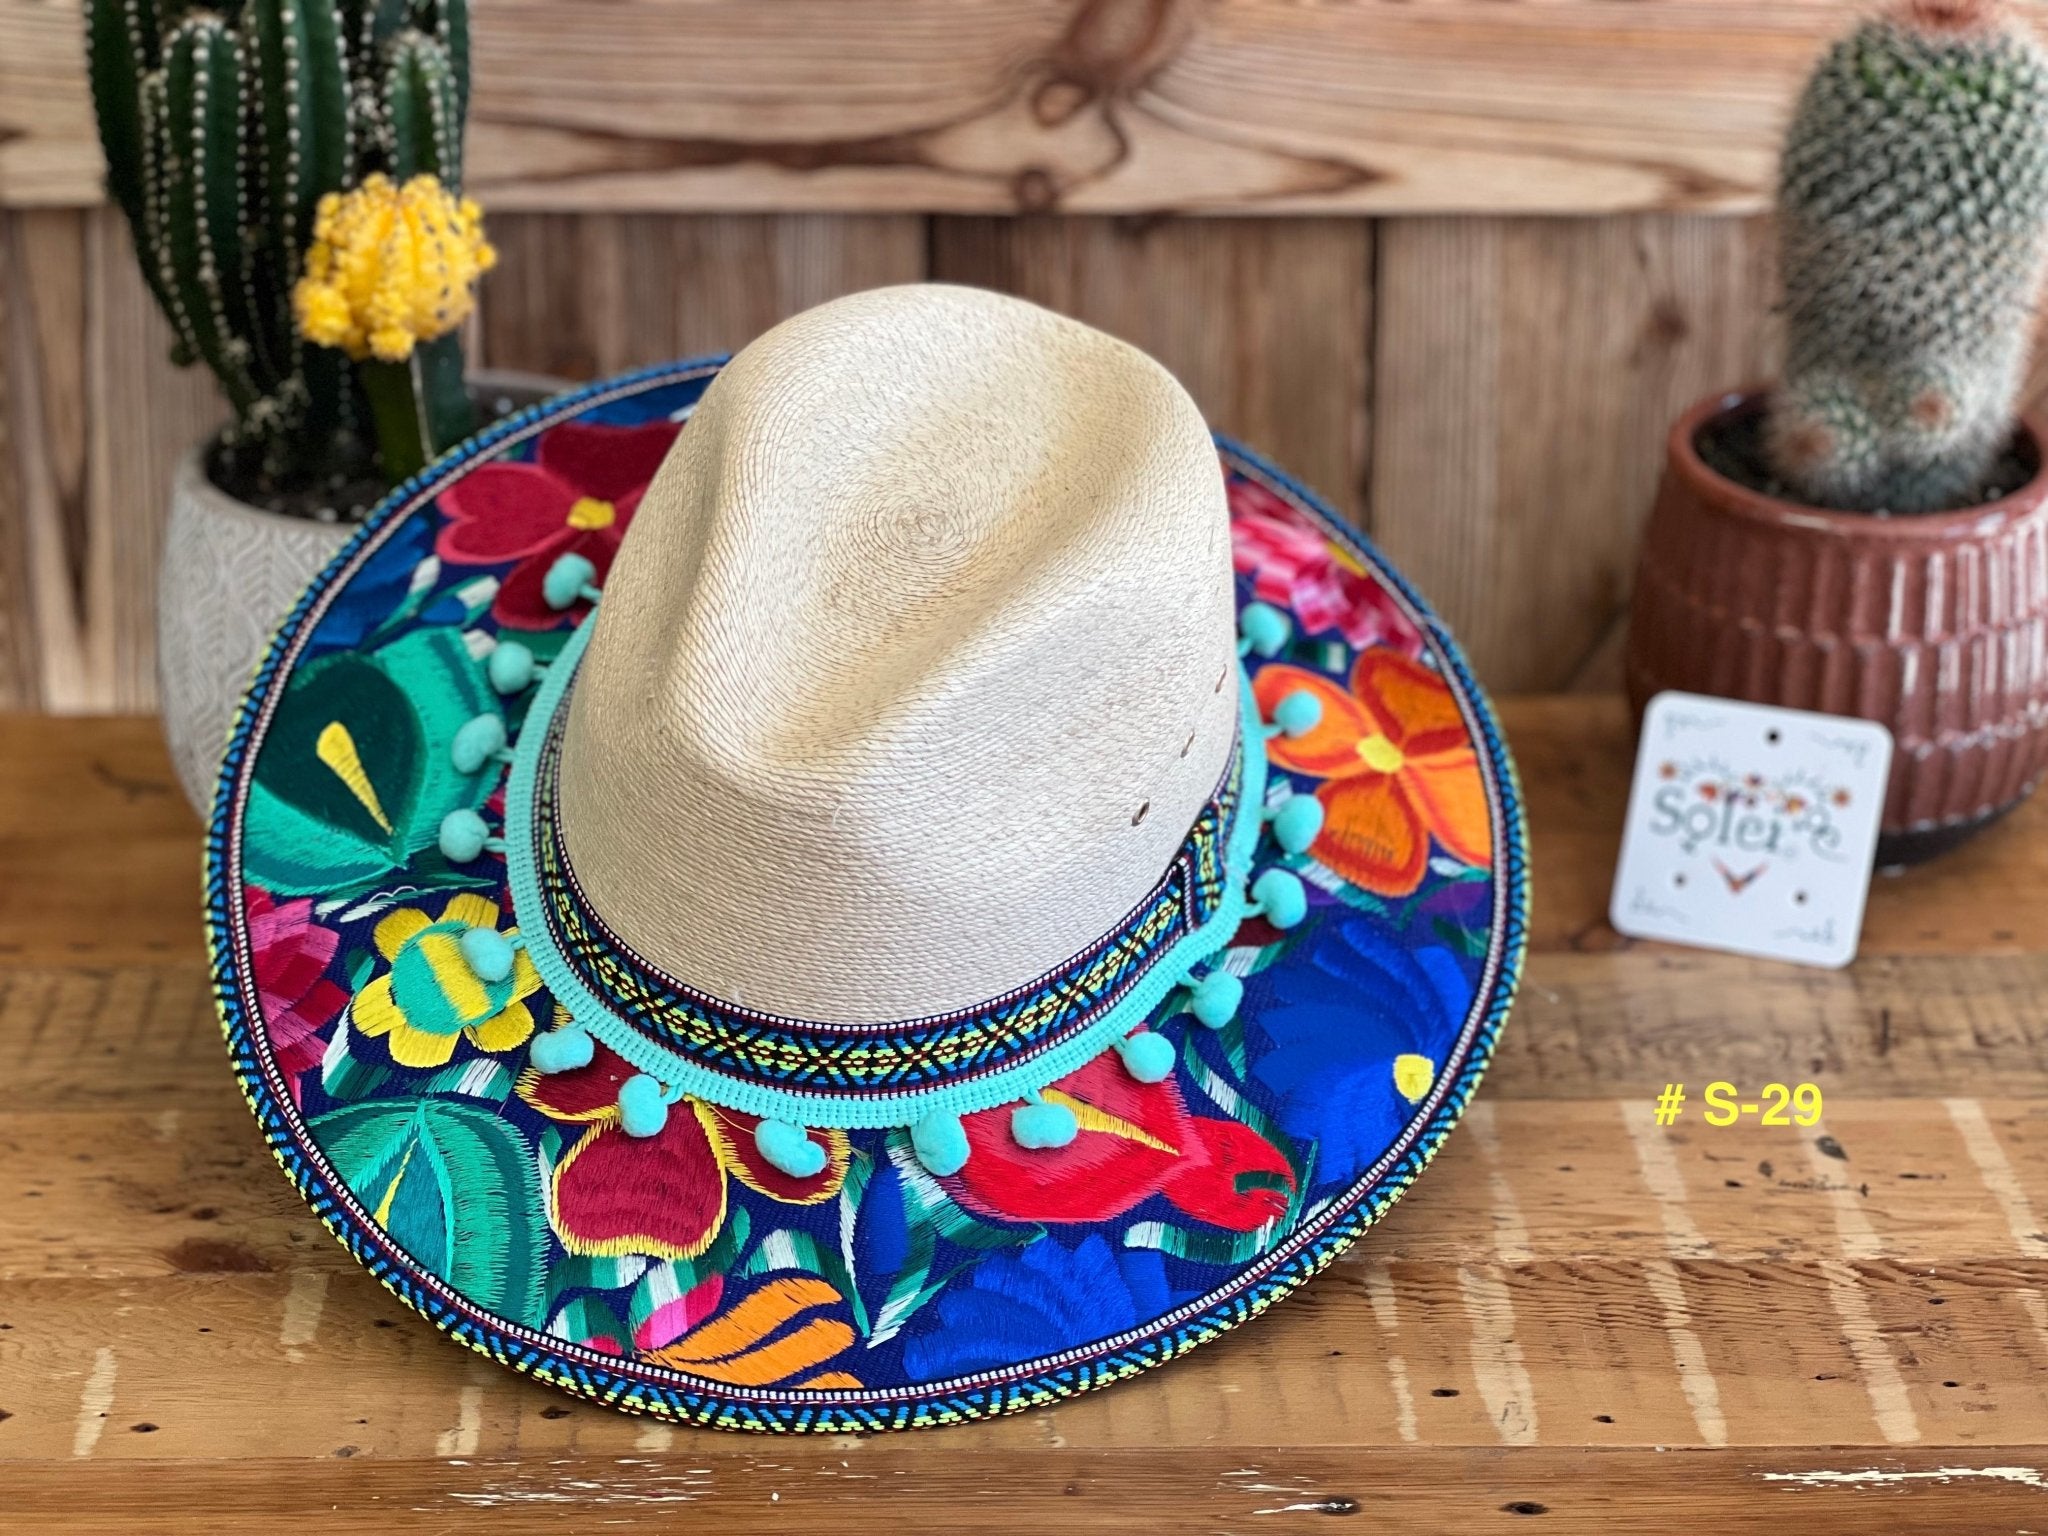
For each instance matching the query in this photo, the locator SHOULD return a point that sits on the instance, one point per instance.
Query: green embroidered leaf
(1363, 901)
(930, 1214)
(456, 1187)
(355, 774)
(785, 1248)
(1234, 1104)
(588, 1320)
(910, 1292)
(1230, 1041)
(481, 1077)
(654, 1312)
(446, 689)
(343, 1076)
(1227, 1098)
(1203, 1247)
(579, 1272)
(1470, 942)
(927, 1205)
(1250, 1179)
(860, 1171)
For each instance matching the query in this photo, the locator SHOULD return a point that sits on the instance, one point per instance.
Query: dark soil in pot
(346, 490)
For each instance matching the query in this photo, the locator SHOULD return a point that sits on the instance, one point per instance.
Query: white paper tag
(1751, 829)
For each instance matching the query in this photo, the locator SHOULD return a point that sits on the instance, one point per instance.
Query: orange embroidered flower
(1397, 765)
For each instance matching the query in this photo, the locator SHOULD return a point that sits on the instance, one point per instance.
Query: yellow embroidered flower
(1414, 1076)
(390, 266)
(431, 995)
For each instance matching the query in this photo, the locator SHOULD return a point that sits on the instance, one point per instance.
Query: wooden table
(1578, 1319)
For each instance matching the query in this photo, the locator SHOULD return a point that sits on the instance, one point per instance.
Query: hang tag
(1751, 829)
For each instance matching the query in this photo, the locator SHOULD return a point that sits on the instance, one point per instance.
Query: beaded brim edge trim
(670, 1395)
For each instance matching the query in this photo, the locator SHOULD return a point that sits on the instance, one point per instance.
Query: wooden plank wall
(1497, 245)
(1095, 106)
(1486, 396)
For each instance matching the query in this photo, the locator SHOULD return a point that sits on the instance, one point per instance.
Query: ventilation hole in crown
(1189, 745)
(1221, 677)
(1139, 814)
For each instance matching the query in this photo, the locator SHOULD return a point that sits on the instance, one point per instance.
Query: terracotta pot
(230, 574)
(1935, 626)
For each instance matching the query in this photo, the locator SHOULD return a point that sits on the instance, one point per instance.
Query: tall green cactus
(1913, 208)
(224, 125)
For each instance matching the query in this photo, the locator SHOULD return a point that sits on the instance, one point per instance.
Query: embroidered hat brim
(685, 1274)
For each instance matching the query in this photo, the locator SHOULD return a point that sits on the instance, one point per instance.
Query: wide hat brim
(680, 1275)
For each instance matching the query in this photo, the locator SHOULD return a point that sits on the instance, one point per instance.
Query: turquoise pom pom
(1280, 898)
(1040, 1127)
(1297, 822)
(488, 952)
(940, 1142)
(789, 1149)
(1265, 628)
(1148, 1057)
(1299, 713)
(511, 666)
(562, 1050)
(463, 835)
(642, 1109)
(477, 743)
(566, 580)
(1215, 999)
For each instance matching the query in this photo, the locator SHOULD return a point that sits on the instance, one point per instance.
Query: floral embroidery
(1338, 1038)
(686, 1250)
(1017, 1305)
(430, 996)
(775, 1334)
(1136, 1140)
(1293, 566)
(663, 1194)
(1397, 765)
(291, 953)
(577, 496)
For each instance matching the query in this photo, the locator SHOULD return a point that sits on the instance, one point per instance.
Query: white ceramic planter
(230, 574)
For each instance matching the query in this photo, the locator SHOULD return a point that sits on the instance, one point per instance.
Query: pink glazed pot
(1933, 625)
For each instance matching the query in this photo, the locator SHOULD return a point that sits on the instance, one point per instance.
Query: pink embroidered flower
(291, 955)
(577, 496)
(1293, 566)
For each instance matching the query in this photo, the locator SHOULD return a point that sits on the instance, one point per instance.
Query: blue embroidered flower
(378, 590)
(1353, 1036)
(1035, 1301)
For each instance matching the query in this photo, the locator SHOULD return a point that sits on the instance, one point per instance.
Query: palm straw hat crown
(876, 883)
(901, 722)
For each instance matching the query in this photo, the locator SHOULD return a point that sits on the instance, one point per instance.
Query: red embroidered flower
(615, 1194)
(1136, 1140)
(1294, 566)
(291, 953)
(577, 495)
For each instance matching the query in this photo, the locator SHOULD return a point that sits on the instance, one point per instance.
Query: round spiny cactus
(1913, 206)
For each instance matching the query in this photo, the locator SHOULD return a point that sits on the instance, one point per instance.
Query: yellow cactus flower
(390, 267)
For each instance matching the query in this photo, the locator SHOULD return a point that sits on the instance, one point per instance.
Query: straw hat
(920, 892)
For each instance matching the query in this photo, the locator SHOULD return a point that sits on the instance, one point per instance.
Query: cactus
(224, 127)
(1913, 202)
